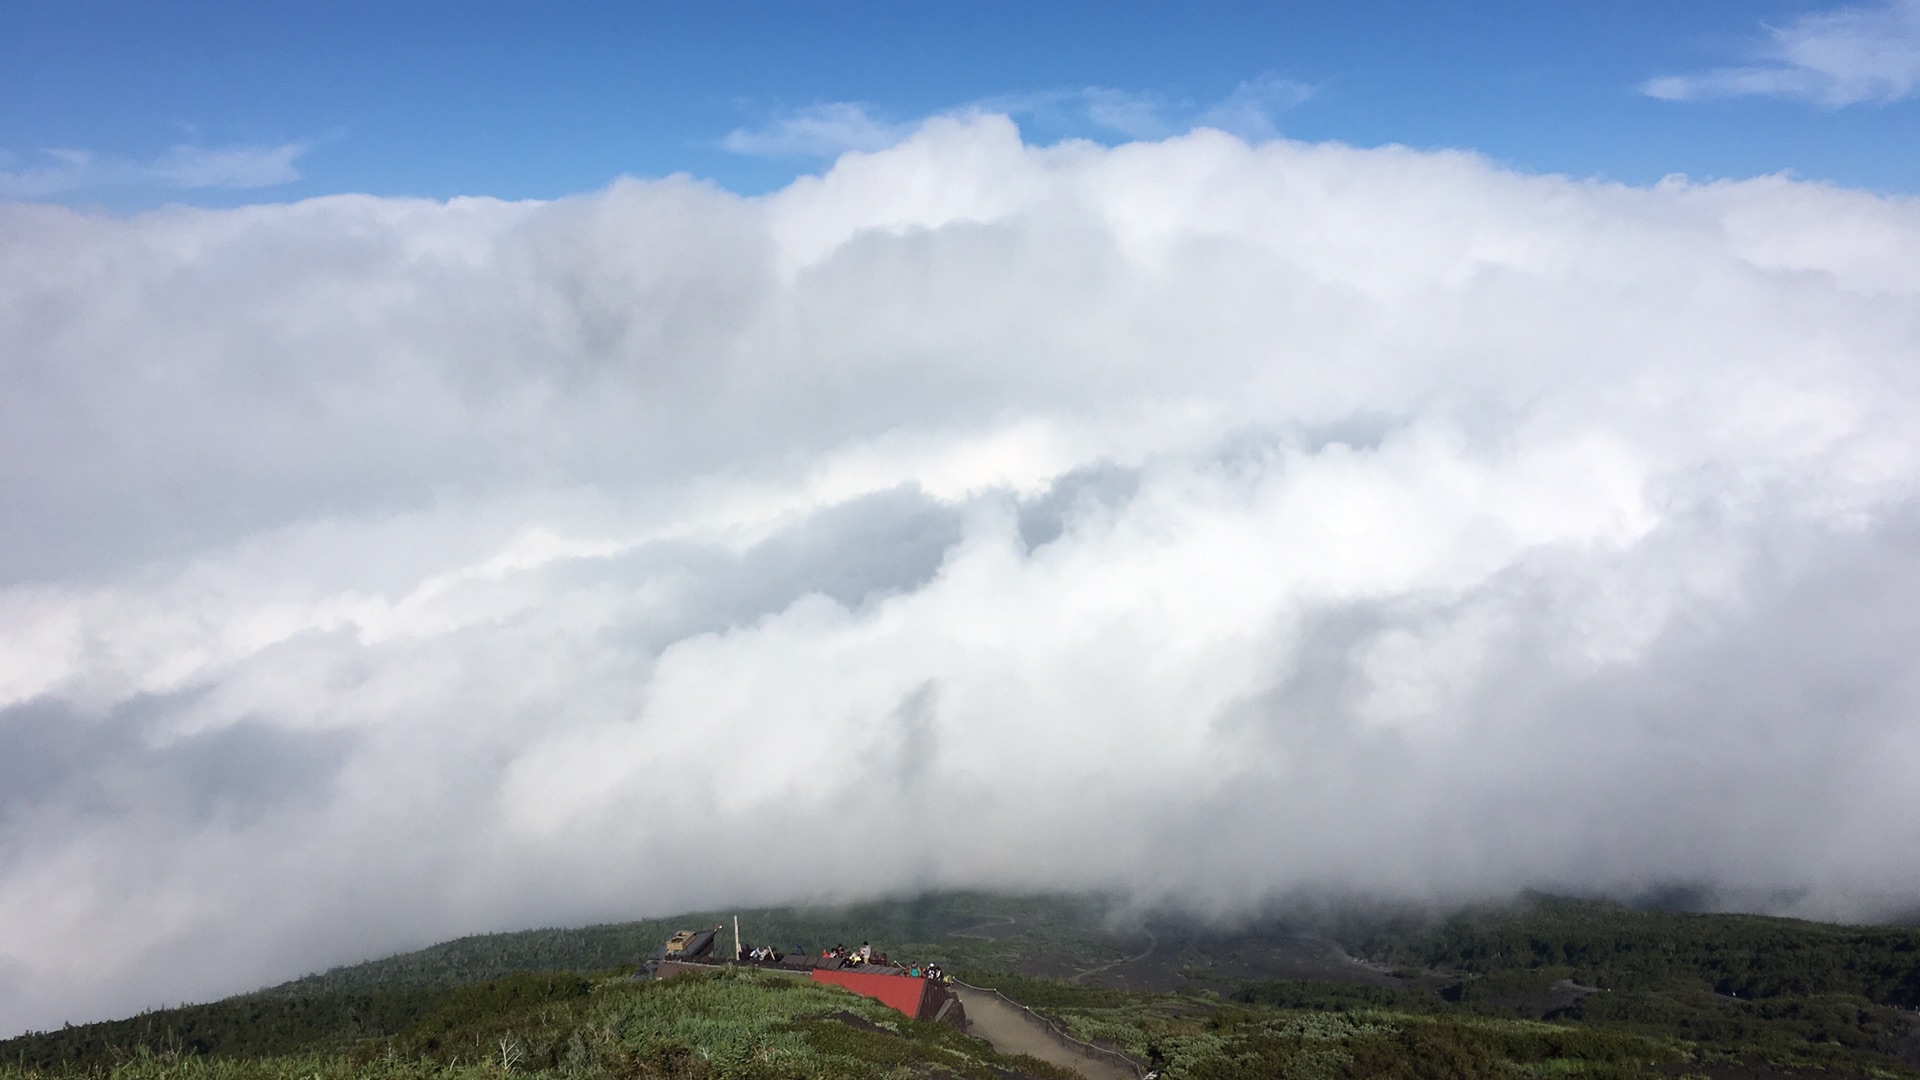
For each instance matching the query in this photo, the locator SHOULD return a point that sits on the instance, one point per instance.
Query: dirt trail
(992, 923)
(1013, 1030)
(1152, 944)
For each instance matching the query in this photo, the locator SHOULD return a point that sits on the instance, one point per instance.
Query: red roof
(911, 994)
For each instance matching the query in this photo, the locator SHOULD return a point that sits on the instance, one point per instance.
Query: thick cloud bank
(1205, 520)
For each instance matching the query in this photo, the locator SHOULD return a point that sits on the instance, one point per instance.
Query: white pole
(736, 938)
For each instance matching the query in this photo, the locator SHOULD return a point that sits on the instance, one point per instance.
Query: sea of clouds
(1194, 519)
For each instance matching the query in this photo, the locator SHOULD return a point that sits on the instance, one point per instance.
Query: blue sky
(220, 103)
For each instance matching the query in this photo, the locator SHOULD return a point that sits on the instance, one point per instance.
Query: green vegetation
(1550, 988)
(745, 1024)
(1284, 1030)
(724, 1025)
(918, 929)
(1253, 1042)
(253, 1025)
(1736, 987)
(1617, 948)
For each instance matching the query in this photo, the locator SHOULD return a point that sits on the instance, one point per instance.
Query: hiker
(866, 952)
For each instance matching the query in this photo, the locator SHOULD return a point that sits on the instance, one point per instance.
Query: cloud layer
(828, 130)
(54, 172)
(1847, 56)
(1205, 520)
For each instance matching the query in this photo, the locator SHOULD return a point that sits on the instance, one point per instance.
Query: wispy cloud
(828, 130)
(1251, 111)
(57, 170)
(1836, 58)
(228, 166)
(1134, 114)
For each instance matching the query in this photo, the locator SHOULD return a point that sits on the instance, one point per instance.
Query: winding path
(1016, 1030)
(1152, 944)
(997, 920)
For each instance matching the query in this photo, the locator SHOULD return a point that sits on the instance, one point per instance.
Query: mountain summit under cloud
(1194, 519)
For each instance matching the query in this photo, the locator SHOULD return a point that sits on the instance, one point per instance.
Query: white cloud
(828, 130)
(376, 570)
(231, 166)
(184, 166)
(1132, 114)
(818, 131)
(62, 170)
(1123, 112)
(1250, 110)
(1837, 58)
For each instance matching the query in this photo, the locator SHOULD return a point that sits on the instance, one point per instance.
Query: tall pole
(736, 938)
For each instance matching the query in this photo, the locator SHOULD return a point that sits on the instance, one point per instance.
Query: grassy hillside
(1605, 945)
(1189, 1036)
(1741, 986)
(749, 1025)
(725, 1025)
(921, 928)
(1548, 988)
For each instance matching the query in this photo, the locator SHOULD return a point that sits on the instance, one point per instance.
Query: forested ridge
(1617, 948)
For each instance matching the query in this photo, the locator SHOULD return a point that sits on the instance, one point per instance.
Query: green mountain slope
(729, 1024)
(1545, 988)
(921, 928)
